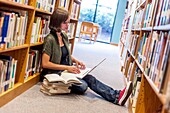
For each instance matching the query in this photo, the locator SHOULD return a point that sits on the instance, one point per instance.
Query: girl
(56, 58)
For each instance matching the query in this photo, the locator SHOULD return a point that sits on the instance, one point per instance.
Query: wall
(117, 25)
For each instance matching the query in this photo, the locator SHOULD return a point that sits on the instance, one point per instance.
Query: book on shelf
(159, 56)
(7, 72)
(13, 26)
(151, 53)
(149, 14)
(33, 64)
(136, 85)
(47, 5)
(164, 65)
(130, 73)
(64, 4)
(75, 10)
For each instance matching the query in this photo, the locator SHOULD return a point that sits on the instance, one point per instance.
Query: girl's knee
(79, 89)
(89, 78)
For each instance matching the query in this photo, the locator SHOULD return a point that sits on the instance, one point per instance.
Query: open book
(66, 79)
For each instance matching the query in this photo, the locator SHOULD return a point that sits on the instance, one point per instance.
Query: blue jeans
(100, 88)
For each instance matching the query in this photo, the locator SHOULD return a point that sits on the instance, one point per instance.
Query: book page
(70, 78)
(54, 78)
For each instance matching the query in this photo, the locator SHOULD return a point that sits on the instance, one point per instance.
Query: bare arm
(49, 65)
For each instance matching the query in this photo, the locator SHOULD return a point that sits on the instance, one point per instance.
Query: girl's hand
(80, 65)
(73, 69)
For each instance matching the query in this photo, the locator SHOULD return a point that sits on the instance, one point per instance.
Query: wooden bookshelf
(143, 56)
(75, 12)
(32, 13)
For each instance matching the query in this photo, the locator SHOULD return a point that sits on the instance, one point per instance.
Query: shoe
(125, 93)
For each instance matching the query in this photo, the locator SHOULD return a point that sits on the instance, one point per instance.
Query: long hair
(59, 15)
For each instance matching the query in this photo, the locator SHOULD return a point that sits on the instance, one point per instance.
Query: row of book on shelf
(152, 61)
(75, 10)
(49, 5)
(46, 5)
(161, 9)
(146, 52)
(8, 69)
(163, 13)
(136, 84)
(12, 28)
(33, 65)
(152, 54)
(20, 1)
(39, 29)
(65, 4)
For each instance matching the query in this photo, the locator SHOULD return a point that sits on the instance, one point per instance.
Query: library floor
(33, 101)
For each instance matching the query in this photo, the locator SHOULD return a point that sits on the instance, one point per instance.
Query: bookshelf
(144, 53)
(22, 41)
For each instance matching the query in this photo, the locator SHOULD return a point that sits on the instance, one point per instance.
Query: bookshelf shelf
(139, 29)
(14, 48)
(36, 44)
(160, 96)
(16, 5)
(32, 77)
(73, 20)
(131, 54)
(162, 28)
(17, 90)
(42, 11)
(71, 38)
(147, 29)
(139, 65)
(15, 86)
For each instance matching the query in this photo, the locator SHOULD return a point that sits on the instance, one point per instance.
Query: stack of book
(54, 84)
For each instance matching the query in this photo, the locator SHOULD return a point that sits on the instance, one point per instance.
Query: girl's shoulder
(49, 37)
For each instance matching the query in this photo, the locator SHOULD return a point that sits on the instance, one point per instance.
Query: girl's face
(64, 25)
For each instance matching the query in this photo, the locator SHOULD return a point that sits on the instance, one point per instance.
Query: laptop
(83, 72)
